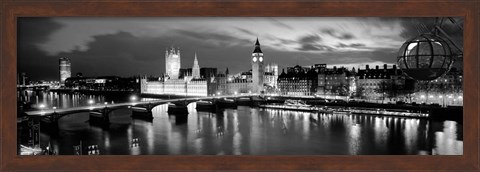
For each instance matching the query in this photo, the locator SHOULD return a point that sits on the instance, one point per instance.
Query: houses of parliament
(208, 81)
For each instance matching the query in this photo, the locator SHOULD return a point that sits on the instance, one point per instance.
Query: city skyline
(114, 44)
(234, 86)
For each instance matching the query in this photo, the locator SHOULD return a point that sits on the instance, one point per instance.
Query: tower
(172, 63)
(65, 69)
(195, 68)
(257, 69)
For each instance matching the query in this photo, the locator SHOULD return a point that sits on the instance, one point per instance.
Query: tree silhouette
(382, 89)
(359, 93)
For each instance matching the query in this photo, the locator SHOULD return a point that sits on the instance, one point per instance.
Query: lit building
(260, 79)
(193, 81)
(298, 82)
(257, 69)
(192, 87)
(271, 75)
(172, 63)
(197, 87)
(221, 81)
(65, 69)
(151, 87)
(446, 90)
(208, 72)
(383, 84)
(238, 85)
(175, 87)
(334, 81)
(102, 83)
(243, 83)
(198, 81)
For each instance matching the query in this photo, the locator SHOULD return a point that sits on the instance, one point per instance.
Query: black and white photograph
(239, 86)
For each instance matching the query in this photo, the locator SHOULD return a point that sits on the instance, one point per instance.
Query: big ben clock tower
(257, 69)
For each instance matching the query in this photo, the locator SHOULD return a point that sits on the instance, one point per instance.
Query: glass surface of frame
(13, 11)
(167, 86)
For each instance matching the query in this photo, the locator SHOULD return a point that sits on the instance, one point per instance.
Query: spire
(195, 62)
(226, 72)
(257, 47)
(195, 68)
(282, 75)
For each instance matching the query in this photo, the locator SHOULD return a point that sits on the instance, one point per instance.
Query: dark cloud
(346, 36)
(310, 43)
(353, 45)
(339, 35)
(36, 63)
(287, 41)
(35, 30)
(415, 26)
(309, 39)
(125, 54)
(314, 47)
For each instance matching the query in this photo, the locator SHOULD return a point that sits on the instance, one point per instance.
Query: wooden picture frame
(10, 10)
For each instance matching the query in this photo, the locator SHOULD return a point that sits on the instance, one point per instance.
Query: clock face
(260, 59)
(254, 59)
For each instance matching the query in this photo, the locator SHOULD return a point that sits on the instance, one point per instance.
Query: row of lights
(431, 96)
(90, 102)
(235, 93)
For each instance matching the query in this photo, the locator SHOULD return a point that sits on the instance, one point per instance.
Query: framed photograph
(256, 85)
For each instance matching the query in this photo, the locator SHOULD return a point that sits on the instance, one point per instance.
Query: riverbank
(95, 92)
(454, 113)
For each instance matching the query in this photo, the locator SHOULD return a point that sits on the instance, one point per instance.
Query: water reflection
(66, 100)
(447, 142)
(251, 131)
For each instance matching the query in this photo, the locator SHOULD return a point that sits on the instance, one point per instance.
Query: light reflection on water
(253, 131)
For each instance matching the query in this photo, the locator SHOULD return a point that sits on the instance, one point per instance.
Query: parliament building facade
(198, 81)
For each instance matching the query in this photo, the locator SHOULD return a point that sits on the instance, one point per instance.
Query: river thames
(244, 131)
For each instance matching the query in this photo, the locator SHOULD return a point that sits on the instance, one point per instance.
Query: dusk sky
(136, 46)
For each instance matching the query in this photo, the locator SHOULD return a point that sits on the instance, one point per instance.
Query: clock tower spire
(257, 69)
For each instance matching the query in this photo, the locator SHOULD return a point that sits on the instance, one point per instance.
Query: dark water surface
(249, 131)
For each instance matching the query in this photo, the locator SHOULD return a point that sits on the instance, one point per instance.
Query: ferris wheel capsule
(425, 57)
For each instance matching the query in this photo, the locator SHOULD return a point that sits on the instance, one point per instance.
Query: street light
(42, 106)
(133, 98)
(91, 102)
